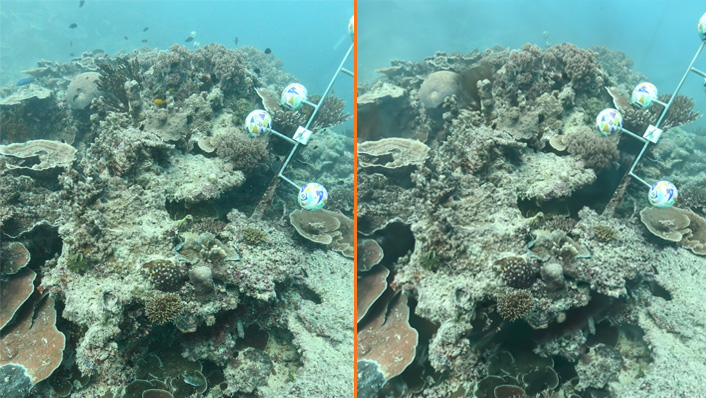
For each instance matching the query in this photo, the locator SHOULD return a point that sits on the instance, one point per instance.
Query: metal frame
(301, 137)
(653, 133)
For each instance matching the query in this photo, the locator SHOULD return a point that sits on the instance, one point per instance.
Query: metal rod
(347, 72)
(640, 179)
(637, 160)
(316, 109)
(328, 89)
(698, 72)
(681, 82)
(311, 104)
(286, 163)
(643, 139)
(284, 137)
(290, 182)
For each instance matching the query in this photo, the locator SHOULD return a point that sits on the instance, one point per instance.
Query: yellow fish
(158, 102)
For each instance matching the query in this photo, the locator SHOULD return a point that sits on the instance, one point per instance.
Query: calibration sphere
(258, 123)
(313, 196)
(663, 194)
(293, 96)
(644, 95)
(609, 122)
(702, 27)
(351, 28)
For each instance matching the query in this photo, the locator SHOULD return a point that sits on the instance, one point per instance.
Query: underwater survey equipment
(609, 122)
(258, 123)
(312, 196)
(294, 96)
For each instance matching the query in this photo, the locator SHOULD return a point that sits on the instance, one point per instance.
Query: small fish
(73, 26)
(188, 39)
(158, 102)
(81, 3)
(146, 29)
(171, 90)
(236, 40)
(257, 71)
(332, 91)
(144, 40)
(268, 51)
(24, 81)
(305, 110)
(72, 54)
(71, 43)
(125, 37)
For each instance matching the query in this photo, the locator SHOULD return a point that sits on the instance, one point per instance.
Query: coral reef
(83, 89)
(163, 308)
(677, 225)
(437, 87)
(132, 201)
(163, 274)
(596, 152)
(517, 272)
(498, 236)
(515, 304)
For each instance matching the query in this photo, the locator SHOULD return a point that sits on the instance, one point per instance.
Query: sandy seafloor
(141, 256)
(502, 251)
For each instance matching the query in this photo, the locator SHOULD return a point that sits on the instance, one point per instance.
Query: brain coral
(437, 86)
(82, 90)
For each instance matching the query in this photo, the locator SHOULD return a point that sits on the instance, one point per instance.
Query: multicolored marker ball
(258, 123)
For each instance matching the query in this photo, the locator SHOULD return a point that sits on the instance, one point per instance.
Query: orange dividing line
(355, 201)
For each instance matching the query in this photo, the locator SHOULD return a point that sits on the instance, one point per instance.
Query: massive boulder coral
(437, 87)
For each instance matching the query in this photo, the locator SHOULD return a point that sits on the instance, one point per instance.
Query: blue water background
(659, 35)
(310, 37)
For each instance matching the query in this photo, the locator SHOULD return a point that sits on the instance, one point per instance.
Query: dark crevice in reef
(396, 240)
